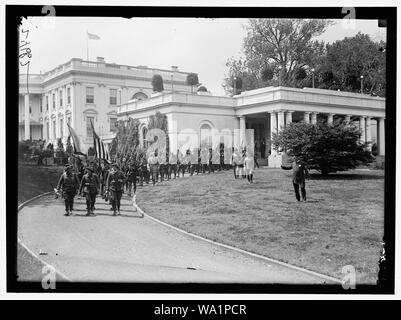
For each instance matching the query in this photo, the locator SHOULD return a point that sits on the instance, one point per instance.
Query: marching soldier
(115, 187)
(204, 158)
(153, 163)
(143, 173)
(173, 165)
(131, 175)
(193, 161)
(89, 188)
(69, 185)
(180, 163)
(162, 166)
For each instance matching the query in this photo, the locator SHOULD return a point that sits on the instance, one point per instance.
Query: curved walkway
(135, 248)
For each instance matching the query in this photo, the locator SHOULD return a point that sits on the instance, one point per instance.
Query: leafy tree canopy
(157, 83)
(283, 45)
(348, 59)
(325, 147)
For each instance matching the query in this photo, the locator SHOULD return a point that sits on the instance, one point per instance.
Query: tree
(348, 59)
(157, 83)
(126, 141)
(158, 121)
(192, 80)
(274, 43)
(327, 148)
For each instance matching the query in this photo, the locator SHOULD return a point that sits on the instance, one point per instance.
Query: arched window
(139, 96)
(206, 134)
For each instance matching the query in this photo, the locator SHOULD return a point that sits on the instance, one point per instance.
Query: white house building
(78, 92)
(265, 110)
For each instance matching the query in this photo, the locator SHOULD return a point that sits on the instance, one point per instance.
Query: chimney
(174, 68)
(100, 59)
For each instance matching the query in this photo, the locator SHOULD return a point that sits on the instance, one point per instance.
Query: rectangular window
(41, 103)
(48, 131)
(90, 92)
(54, 100)
(47, 103)
(113, 96)
(54, 129)
(68, 95)
(89, 132)
(69, 120)
(113, 124)
(61, 98)
(61, 128)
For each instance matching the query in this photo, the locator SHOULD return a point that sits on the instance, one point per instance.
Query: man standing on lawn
(89, 188)
(69, 185)
(299, 174)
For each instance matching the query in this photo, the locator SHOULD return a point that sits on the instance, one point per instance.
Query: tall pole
(361, 84)
(235, 86)
(87, 47)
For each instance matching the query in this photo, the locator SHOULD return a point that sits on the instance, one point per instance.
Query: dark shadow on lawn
(345, 176)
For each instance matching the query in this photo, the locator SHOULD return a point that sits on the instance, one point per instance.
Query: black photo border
(14, 14)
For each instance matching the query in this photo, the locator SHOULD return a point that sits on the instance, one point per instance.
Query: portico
(266, 111)
(276, 107)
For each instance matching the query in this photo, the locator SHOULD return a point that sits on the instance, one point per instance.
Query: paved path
(132, 248)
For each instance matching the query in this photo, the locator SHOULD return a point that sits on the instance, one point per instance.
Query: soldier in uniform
(153, 163)
(143, 173)
(162, 166)
(204, 158)
(69, 185)
(299, 174)
(131, 174)
(115, 187)
(193, 161)
(180, 163)
(89, 188)
(173, 165)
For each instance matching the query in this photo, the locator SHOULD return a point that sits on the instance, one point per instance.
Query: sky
(193, 44)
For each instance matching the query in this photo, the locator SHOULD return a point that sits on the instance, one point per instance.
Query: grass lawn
(32, 181)
(341, 224)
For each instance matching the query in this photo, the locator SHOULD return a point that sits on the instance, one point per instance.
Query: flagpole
(87, 46)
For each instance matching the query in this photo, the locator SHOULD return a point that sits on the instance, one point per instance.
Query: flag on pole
(98, 145)
(75, 140)
(92, 36)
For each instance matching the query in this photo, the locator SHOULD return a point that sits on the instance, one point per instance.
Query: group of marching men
(111, 179)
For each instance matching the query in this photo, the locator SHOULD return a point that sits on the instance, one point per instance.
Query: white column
(330, 118)
(273, 129)
(306, 117)
(362, 129)
(381, 136)
(72, 104)
(314, 117)
(27, 118)
(281, 123)
(288, 118)
(368, 135)
(242, 128)
(348, 118)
